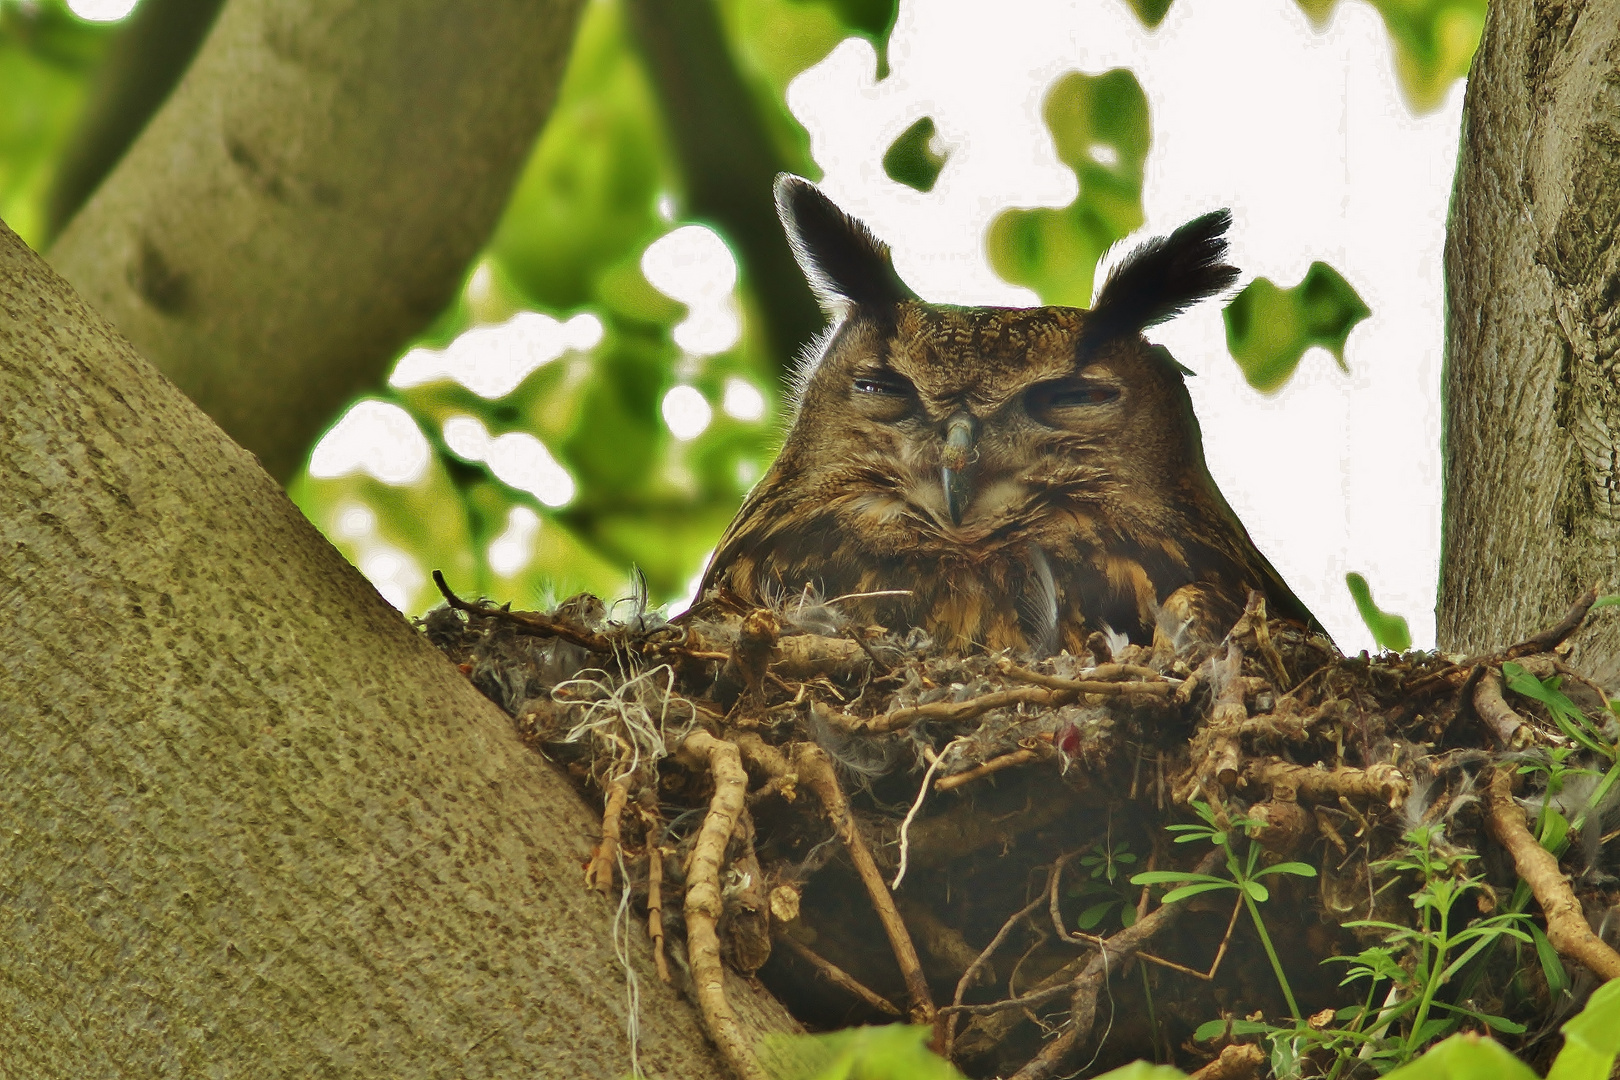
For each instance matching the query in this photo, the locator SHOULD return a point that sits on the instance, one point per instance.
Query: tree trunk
(253, 824)
(310, 196)
(1532, 404)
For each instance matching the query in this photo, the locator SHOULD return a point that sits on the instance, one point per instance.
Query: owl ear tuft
(845, 264)
(1164, 277)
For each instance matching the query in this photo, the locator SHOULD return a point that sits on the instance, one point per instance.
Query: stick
(1555, 635)
(599, 874)
(1083, 1002)
(994, 765)
(1495, 713)
(655, 905)
(1240, 1061)
(1115, 679)
(532, 621)
(838, 976)
(1567, 927)
(815, 772)
(945, 1025)
(997, 699)
(703, 900)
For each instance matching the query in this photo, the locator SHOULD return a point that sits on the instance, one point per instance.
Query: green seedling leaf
(1258, 892)
(1298, 868)
(1552, 967)
(1176, 895)
(1591, 1038)
(1570, 720)
(1465, 1057)
(1093, 915)
(916, 157)
(1611, 600)
(1269, 328)
(1142, 1070)
(893, 1052)
(1388, 630)
(1100, 129)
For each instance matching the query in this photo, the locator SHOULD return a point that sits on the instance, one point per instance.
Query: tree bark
(1532, 404)
(253, 824)
(310, 196)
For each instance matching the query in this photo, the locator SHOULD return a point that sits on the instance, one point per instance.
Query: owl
(999, 477)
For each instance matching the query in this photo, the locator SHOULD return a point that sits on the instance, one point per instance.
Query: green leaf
(1570, 720)
(1167, 877)
(914, 159)
(1611, 600)
(1388, 630)
(1552, 966)
(1093, 915)
(1297, 868)
(1177, 895)
(1591, 1038)
(893, 1052)
(1268, 328)
(1142, 1070)
(1257, 892)
(1465, 1057)
(1100, 129)
(1151, 12)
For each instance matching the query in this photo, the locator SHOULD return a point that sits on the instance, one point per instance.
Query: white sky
(1303, 134)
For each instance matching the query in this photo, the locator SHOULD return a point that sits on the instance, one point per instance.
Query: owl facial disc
(959, 439)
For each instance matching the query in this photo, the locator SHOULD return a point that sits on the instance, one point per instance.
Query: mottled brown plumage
(1012, 477)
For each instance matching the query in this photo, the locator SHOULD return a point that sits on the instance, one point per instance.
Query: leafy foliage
(1268, 328)
(1100, 129)
(1388, 630)
(912, 159)
(46, 57)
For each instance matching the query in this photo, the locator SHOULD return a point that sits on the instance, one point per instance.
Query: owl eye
(883, 384)
(1071, 394)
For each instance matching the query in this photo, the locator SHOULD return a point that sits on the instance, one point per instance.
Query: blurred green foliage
(46, 58)
(912, 160)
(1268, 329)
(602, 184)
(1388, 630)
(1100, 129)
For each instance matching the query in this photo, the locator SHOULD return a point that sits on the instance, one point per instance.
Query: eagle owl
(1000, 477)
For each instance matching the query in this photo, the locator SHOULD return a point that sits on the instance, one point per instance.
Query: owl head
(963, 420)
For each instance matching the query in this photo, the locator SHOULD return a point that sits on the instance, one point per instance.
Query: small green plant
(1438, 951)
(1243, 874)
(1105, 886)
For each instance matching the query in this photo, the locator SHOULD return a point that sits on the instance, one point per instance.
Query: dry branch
(1503, 720)
(1567, 927)
(816, 772)
(704, 904)
(838, 977)
(600, 872)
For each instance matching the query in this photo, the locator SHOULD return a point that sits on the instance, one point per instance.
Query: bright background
(600, 394)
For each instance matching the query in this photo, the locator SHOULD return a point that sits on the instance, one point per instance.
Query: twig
(1556, 634)
(815, 771)
(1240, 1061)
(704, 904)
(945, 1026)
(994, 765)
(1496, 714)
(1152, 683)
(1083, 1001)
(1268, 652)
(600, 873)
(655, 905)
(1567, 927)
(838, 976)
(1381, 782)
(532, 621)
(997, 699)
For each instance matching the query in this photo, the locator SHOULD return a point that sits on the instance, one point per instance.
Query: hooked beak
(959, 438)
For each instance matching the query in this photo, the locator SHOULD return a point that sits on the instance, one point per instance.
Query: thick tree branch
(254, 821)
(310, 196)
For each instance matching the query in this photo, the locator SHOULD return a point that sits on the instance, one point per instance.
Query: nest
(875, 830)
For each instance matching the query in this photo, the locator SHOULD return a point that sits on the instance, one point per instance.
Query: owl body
(1000, 477)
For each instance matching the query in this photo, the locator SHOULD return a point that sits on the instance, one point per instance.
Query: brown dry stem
(533, 622)
(994, 765)
(1381, 782)
(945, 1026)
(838, 976)
(599, 875)
(1496, 714)
(816, 772)
(704, 904)
(1567, 927)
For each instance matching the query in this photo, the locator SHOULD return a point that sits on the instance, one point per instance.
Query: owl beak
(959, 439)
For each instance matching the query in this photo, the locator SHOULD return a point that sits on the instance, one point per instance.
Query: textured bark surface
(1532, 399)
(253, 823)
(310, 196)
